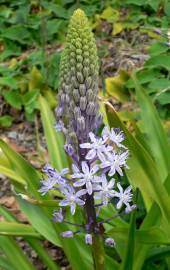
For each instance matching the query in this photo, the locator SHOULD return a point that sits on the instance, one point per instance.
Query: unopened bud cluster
(78, 105)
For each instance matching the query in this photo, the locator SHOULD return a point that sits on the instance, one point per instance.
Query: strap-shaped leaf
(157, 138)
(16, 229)
(54, 139)
(14, 253)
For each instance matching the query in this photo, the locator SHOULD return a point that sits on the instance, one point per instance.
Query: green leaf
(30, 97)
(9, 81)
(16, 229)
(17, 33)
(54, 140)
(110, 15)
(11, 174)
(34, 243)
(15, 255)
(41, 222)
(159, 61)
(157, 48)
(127, 263)
(153, 235)
(6, 120)
(151, 219)
(163, 98)
(159, 84)
(156, 135)
(4, 264)
(23, 168)
(167, 8)
(13, 98)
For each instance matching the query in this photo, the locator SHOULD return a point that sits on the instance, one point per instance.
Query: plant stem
(93, 226)
(98, 252)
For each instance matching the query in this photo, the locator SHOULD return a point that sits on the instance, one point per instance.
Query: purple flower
(114, 135)
(96, 147)
(54, 174)
(60, 127)
(58, 216)
(47, 185)
(110, 242)
(105, 190)
(114, 162)
(67, 234)
(125, 197)
(86, 176)
(72, 198)
(88, 239)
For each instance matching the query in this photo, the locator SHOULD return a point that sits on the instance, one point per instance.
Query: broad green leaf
(9, 81)
(34, 243)
(16, 229)
(109, 14)
(159, 61)
(163, 98)
(115, 86)
(23, 168)
(37, 215)
(6, 120)
(11, 174)
(15, 255)
(54, 140)
(158, 140)
(151, 219)
(4, 264)
(157, 48)
(13, 98)
(153, 235)
(42, 253)
(17, 33)
(167, 8)
(41, 222)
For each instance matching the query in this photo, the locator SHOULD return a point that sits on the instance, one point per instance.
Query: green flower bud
(77, 112)
(82, 89)
(78, 77)
(90, 108)
(76, 95)
(81, 123)
(83, 103)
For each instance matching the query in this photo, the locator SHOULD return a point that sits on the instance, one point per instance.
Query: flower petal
(79, 183)
(85, 145)
(91, 154)
(89, 187)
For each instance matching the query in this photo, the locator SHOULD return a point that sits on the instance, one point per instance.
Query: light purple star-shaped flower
(114, 162)
(47, 185)
(52, 174)
(125, 197)
(86, 176)
(58, 216)
(105, 190)
(114, 135)
(72, 198)
(96, 148)
(59, 126)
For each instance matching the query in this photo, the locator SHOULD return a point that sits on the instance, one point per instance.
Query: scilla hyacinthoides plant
(95, 159)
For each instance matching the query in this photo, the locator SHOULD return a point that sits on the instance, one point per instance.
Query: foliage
(29, 82)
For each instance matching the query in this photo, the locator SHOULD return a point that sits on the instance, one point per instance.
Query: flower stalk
(96, 159)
